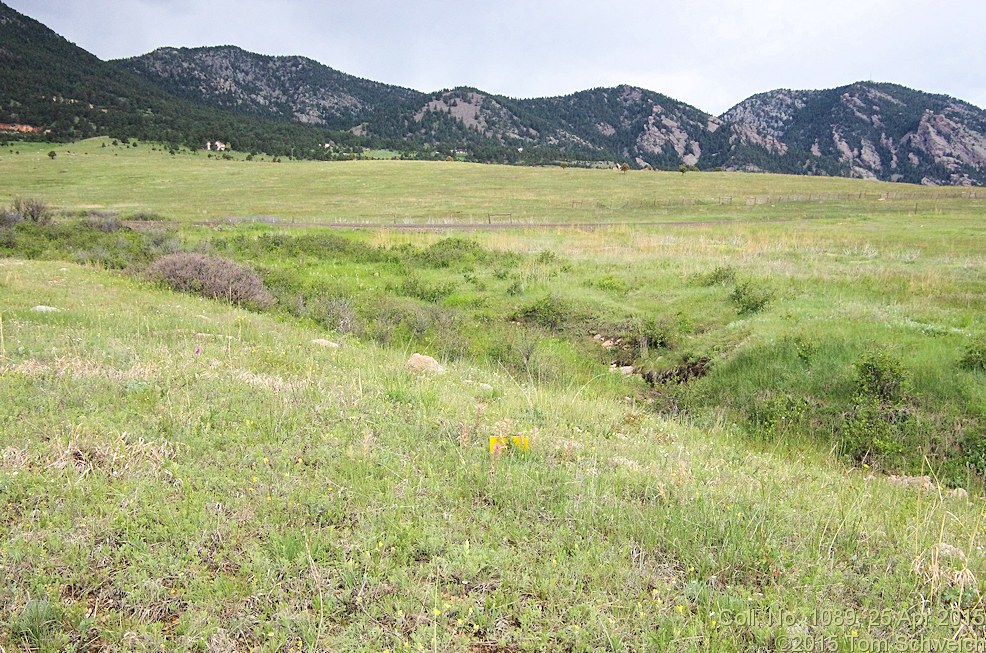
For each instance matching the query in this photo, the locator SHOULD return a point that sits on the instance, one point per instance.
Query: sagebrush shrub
(213, 277)
(336, 313)
(9, 218)
(32, 209)
(109, 224)
(146, 216)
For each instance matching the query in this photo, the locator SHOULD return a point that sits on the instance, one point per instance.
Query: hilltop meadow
(678, 411)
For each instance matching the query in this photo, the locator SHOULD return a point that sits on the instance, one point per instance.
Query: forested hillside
(294, 106)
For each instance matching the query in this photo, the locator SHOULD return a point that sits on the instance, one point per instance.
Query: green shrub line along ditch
(706, 340)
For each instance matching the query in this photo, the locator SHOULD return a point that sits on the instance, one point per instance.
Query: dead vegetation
(118, 455)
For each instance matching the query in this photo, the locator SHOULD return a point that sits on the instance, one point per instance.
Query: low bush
(115, 248)
(32, 209)
(639, 336)
(336, 313)
(318, 245)
(777, 415)
(612, 283)
(146, 216)
(108, 224)
(415, 287)
(872, 430)
(9, 218)
(723, 275)
(450, 252)
(213, 277)
(751, 297)
(878, 424)
(551, 312)
(880, 376)
(974, 356)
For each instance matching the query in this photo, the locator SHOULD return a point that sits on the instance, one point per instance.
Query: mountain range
(866, 129)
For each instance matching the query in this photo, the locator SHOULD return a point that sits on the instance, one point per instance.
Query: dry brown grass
(76, 368)
(113, 455)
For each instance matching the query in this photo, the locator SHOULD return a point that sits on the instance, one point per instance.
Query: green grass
(193, 187)
(179, 474)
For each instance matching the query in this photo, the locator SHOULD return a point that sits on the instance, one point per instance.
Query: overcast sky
(709, 53)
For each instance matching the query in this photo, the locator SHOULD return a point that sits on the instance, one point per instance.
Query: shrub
(321, 245)
(974, 451)
(108, 223)
(974, 356)
(9, 218)
(146, 216)
(32, 210)
(640, 335)
(721, 276)
(751, 297)
(213, 277)
(336, 313)
(82, 242)
(660, 332)
(476, 281)
(880, 376)
(551, 312)
(877, 424)
(451, 251)
(872, 429)
(779, 415)
(613, 284)
(805, 348)
(415, 287)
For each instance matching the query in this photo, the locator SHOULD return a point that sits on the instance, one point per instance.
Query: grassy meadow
(793, 460)
(200, 186)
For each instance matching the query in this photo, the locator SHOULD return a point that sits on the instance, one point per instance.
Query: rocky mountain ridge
(296, 106)
(868, 130)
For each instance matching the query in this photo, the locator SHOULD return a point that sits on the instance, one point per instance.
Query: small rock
(45, 309)
(949, 551)
(626, 370)
(422, 363)
(923, 483)
(958, 493)
(322, 342)
(920, 482)
(486, 387)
